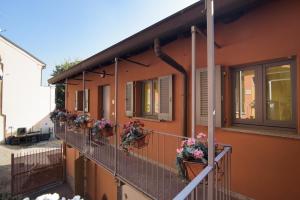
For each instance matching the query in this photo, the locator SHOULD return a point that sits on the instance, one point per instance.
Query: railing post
(12, 174)
(116, 116)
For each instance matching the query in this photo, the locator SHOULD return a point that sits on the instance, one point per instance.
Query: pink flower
(191, 141)
(179, 150)
(183, 143)
(198, 154)
(202, 137)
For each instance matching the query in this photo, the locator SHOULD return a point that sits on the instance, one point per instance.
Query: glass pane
(245, 94)
(156, 96)
(147, 97)
(279, 93)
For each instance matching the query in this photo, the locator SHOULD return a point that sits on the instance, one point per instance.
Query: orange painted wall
(106, 184)
(263, 167)
(70, 166)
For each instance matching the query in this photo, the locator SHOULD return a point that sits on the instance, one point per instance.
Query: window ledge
(292, 134)
(147, 119)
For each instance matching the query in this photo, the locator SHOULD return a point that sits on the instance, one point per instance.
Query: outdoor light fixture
(103, 74)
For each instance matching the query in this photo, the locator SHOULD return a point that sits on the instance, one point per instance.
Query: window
(79, 100)
(150, 98)
(264, 94)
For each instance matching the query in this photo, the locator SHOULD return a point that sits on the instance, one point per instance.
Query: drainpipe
(170, 61)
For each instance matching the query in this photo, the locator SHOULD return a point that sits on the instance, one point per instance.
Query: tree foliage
(60, 89)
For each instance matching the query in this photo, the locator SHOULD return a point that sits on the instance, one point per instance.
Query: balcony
(152, 169)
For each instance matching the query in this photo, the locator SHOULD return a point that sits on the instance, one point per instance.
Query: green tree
(60, 88)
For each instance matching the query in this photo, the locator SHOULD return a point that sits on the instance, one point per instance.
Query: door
(104, 102)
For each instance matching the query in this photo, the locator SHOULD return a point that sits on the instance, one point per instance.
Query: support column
(116, 115)
(193, 111)
(211, 92)
(66, 104)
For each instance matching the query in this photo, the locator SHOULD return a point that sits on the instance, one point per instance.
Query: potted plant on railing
(103, 128)
(53, 116)
(62, 117)
(133, 135)
(192, 156)
(71, 117)
(83, 121)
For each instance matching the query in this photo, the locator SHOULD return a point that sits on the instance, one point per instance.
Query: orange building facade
(258, 49)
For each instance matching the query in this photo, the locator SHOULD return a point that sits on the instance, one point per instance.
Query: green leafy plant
(132, 132)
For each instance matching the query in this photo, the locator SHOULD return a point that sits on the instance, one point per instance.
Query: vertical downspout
(211, 92)
(116, 115)
(193, 111)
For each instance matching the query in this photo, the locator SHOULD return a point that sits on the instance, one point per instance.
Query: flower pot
(82, 126)
(107, 132)
(140, 142)
(89, 124)
(193, 169)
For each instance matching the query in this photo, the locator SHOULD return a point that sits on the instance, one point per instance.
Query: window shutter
(138, 98)
(87, 94)
(76, 100)
(165, 98)
(129, 99)
(202, 96)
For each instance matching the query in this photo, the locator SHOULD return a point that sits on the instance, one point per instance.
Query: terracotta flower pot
(140, 142)
(107, 132)
(89, 124)
(193, 169)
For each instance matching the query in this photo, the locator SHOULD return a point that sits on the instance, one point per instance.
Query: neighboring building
(258, 109)
(25, 102)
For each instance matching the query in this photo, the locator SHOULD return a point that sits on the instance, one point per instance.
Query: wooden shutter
(202, 96)
(129, 99)
(76, 100)
(87, 94)
(100, 102)
(165, 98)
(138, 98)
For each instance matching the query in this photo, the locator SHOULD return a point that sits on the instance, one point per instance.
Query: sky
(59, 30)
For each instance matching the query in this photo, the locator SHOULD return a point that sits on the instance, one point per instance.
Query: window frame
(260, 94)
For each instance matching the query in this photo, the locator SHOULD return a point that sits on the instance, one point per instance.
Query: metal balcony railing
(151, 169)
(198, 189)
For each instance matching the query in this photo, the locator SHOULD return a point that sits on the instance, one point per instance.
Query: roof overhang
(166, 30)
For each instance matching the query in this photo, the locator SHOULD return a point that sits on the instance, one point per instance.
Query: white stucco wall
(25, 102)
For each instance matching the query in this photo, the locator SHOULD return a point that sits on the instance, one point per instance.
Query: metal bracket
(135, 62)
(102, 74)
(203, 34)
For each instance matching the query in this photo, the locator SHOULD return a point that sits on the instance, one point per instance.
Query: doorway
(104, 102)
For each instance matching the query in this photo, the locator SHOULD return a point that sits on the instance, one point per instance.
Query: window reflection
(156, 96)
(278, 93)
(245, 94)
(147, 97)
